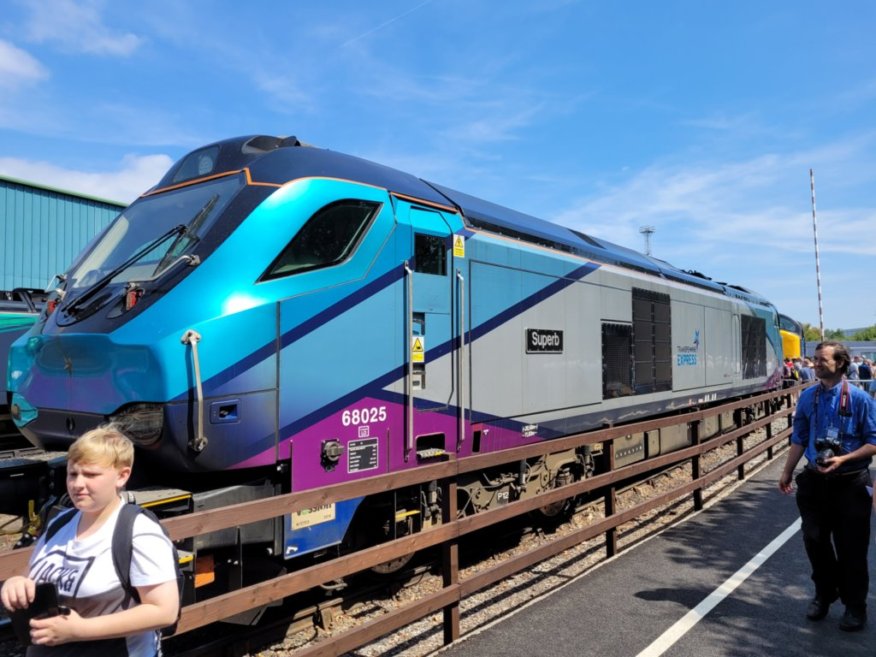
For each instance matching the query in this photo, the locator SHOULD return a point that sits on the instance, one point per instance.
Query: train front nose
(64, 385)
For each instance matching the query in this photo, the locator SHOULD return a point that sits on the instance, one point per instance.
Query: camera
(826, 448)
(44, 605)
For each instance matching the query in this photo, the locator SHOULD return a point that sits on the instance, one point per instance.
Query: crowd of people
(862, 371)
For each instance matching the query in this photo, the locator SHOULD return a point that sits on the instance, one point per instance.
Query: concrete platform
(732, 580)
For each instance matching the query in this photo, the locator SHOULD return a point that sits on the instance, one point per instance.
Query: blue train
(18, 313)
(275, 317)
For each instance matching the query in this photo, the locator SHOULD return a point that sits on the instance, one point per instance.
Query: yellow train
(792, 337)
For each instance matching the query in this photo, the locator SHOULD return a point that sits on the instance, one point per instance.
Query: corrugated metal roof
(42, 229)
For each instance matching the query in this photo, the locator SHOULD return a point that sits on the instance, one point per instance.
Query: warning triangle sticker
(458, 247)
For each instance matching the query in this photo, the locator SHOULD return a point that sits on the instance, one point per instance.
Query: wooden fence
(447, 535)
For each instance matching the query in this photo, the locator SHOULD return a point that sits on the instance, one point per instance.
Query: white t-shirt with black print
(84, 574)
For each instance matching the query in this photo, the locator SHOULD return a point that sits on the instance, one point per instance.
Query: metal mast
(647, 231)
(817, 263)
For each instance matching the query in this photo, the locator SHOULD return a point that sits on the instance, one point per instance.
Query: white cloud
(737, 125)
(861, 94)
(18, 67)
(762, 202)
(77, 27)
(503, 125)
(749, 222)
(135, 175)
(285, 92)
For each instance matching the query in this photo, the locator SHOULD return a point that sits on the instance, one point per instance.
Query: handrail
(409, 362)
(192, 338)
(460, 361)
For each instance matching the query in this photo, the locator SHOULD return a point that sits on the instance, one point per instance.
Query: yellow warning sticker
(458, 246)
(418, 349)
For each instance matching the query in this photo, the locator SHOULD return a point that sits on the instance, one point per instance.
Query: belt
(811, 467)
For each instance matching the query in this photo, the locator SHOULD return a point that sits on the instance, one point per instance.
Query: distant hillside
(850, 332)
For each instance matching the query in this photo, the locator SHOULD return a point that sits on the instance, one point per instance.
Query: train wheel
(561, 510)
(392, 566)
(397, 527)
(374, 526)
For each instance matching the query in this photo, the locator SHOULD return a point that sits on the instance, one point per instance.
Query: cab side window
(330, 236)
(430, 254)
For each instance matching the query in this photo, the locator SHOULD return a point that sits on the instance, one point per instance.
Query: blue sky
(701, 119)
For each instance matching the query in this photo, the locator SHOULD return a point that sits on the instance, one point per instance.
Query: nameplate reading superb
(544, 341)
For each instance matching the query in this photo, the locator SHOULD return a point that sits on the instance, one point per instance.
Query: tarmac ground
(731, 580)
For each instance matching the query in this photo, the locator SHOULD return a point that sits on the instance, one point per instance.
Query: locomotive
(793, 338)
(275, 317)
(18, 312)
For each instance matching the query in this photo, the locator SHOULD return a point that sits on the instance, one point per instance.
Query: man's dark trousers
(837, 507)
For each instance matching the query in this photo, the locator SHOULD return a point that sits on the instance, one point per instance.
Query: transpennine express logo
(687, 354)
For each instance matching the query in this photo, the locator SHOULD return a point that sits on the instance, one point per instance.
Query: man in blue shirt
(835, 428)
(806, 373)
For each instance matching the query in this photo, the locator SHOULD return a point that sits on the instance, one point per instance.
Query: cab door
(433, 327)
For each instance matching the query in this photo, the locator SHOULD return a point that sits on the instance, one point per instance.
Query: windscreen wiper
(72, 307)
(190, 232)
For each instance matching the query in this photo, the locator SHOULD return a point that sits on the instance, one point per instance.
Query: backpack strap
(123, 547)
(56, 523)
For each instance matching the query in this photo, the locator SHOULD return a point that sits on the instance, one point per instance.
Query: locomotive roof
(281, 159)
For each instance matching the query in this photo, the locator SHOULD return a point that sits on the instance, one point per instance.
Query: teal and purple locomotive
(275, 317)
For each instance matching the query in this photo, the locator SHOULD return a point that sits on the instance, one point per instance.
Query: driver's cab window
(329, 237)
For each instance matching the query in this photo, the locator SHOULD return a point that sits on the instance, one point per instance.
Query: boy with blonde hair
(104, 619)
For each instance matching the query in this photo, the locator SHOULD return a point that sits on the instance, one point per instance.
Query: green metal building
(42, 229)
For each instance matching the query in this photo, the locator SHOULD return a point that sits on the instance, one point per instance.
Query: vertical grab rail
(191, 337)
(460, 387)
(409, 387)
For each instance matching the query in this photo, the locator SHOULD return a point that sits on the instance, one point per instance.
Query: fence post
(740, 450)
(695, 464)
(744, 418)
(739, 419)
(610, 501)
(450, 560)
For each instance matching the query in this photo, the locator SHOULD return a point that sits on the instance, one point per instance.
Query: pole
(647, 231)
(817, 263)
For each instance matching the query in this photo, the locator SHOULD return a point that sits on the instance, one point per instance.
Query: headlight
(142, 423)
(33, 345)
(21, 411)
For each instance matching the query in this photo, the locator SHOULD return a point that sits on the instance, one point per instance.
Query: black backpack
(123, 548)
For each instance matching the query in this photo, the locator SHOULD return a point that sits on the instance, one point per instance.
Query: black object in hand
(45, 604)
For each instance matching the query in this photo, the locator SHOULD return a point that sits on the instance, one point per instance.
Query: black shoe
(818, 608)
(853, 619)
